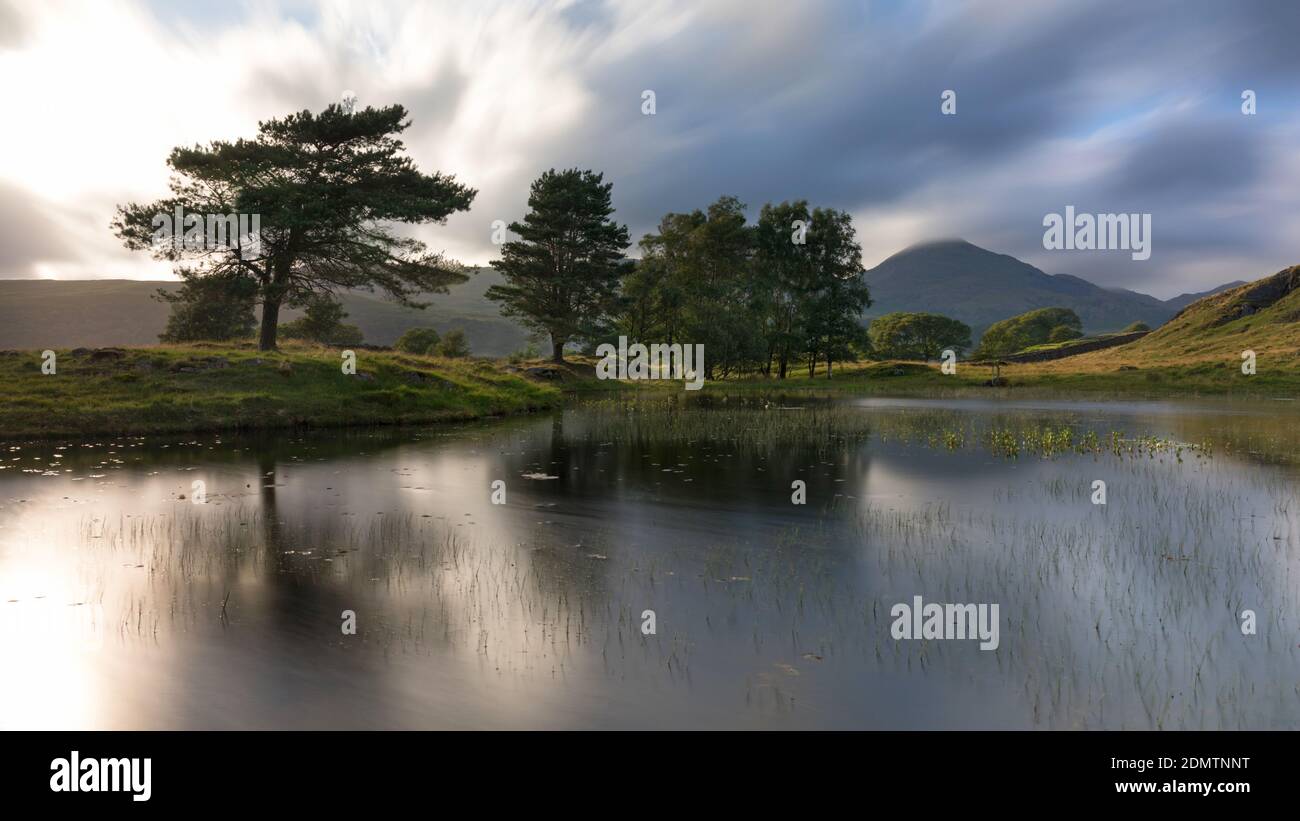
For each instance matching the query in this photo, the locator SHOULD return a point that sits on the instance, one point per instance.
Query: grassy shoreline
(207, 387)
(1040, 380)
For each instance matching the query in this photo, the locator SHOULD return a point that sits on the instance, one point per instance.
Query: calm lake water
(127, 602)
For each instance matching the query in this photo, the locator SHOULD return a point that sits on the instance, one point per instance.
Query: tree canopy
(325, 189)
(1063, 333)
(836, 294)
(1027, 329)
(694, 285)
(758, 296)
(562, 274)
(920, 335)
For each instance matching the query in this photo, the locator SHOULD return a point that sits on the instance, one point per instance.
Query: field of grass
(232, 387)
(208, 387)
(1088, 375)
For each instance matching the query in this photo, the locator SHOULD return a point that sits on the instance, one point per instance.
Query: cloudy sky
(1106, 106)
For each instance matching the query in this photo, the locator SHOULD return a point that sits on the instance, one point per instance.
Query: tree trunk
(270, 324)
(812, 364)
(829, 366)
(557, 350)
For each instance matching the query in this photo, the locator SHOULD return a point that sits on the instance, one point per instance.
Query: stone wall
(1081, 347)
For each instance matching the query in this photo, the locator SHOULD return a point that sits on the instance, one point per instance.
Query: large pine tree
(325, 187)
(562, 274)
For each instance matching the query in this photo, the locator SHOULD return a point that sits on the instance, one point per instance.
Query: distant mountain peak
(941, 244)
(957, 278)
(942, 241)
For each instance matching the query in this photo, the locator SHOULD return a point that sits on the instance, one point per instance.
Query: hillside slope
(43, 314)
(1262, 316)
(951, 277)
(1183, 300)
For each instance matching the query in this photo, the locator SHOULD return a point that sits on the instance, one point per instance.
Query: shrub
(418, 341)
(1063, 333)
(528, 352)
(453, 345)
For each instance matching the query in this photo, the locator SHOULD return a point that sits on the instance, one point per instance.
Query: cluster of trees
(759, 297)
(328, 186)
(925, 336)
(904, 335)
(1037, 327)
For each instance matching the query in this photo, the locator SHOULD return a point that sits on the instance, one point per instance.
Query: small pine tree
(212, 308)
(323, 323)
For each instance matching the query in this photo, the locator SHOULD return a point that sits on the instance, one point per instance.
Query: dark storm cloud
(844, 111)
(1190, 157)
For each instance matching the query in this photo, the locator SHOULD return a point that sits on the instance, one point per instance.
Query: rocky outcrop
(1257, 296)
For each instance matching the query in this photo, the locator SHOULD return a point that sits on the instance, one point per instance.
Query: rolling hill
(951, 277)
(1261, 316)
(93, 313)
(980, 287)
(1183, 300)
